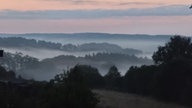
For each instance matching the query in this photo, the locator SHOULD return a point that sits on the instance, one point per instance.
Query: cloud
(140, 3)
(77, 1)
(96, 2)
(174, 10)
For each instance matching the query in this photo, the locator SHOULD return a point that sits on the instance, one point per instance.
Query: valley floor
(112, 99)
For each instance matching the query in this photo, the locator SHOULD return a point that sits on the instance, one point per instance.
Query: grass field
(112, 99)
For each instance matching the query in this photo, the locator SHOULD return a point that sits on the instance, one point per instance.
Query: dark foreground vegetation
(169, 79)
(66, 90)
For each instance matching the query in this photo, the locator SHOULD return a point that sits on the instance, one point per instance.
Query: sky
(171, 17)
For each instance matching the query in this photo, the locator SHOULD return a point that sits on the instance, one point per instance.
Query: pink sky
(133, 25)
(129, 25)
(84, 4)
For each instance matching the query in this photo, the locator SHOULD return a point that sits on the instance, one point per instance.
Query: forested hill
(19, 42)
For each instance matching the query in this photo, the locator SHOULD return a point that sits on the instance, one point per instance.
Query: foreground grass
(112, 99)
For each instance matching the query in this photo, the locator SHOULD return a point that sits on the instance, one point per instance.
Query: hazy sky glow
(111, 16)
(85, 4)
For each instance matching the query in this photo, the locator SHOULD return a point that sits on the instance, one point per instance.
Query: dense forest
(168, 79)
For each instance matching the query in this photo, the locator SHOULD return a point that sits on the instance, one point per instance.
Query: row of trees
(118, 57)
(20, 42)
(18, 61)
(23, 42)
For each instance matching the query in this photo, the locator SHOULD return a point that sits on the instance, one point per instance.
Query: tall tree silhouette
(113, 78)
(178, 47)
(172, 82)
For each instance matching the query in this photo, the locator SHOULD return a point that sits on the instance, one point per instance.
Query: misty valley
(42, 56)
(95, 54)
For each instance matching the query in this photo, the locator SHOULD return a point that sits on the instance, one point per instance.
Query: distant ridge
(88, 35)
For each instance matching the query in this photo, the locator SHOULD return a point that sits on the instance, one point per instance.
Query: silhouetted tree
(70, 89)
(178, 47)
(113, 78)
(172, 82)
(90, 75)
(139, 79)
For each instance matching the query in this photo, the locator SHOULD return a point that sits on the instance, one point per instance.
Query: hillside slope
(112, 99)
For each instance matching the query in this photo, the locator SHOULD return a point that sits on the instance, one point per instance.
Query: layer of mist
(32, 68)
